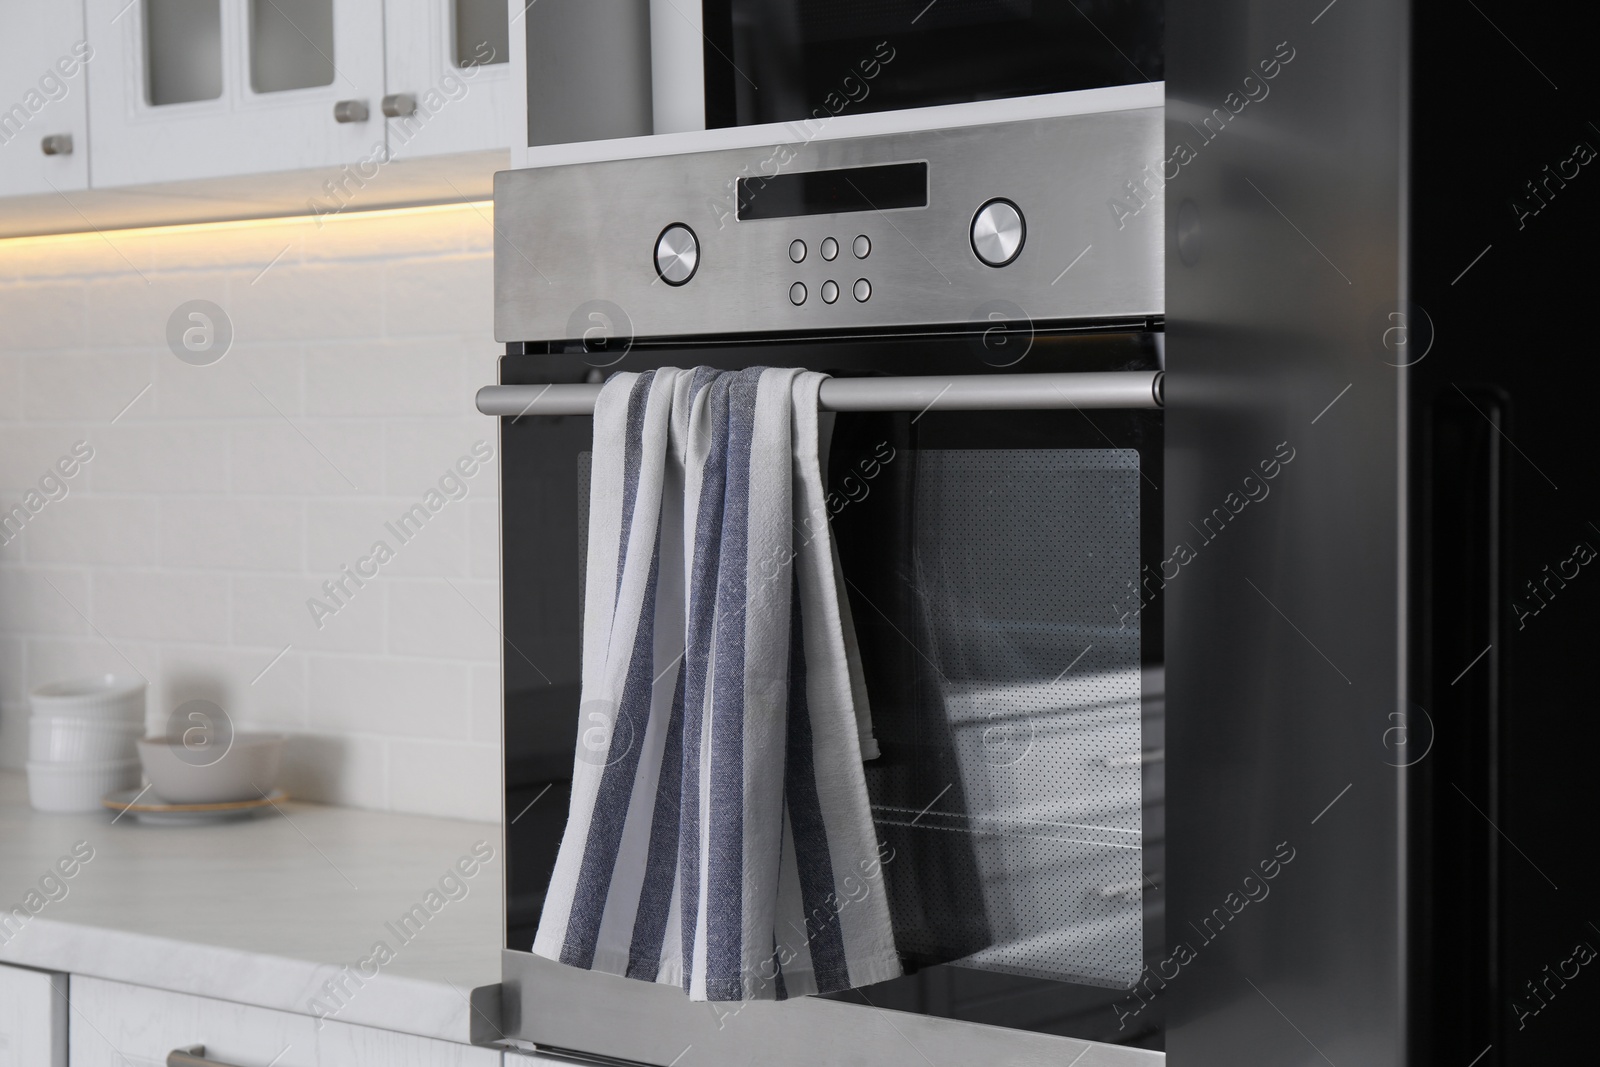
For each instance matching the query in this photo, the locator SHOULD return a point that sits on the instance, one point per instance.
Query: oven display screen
(830, 192)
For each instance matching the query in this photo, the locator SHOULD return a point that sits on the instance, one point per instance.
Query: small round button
(830, 249)
(797, 294)
(862, 247)
(797, 250)
(677, 254)
(830, 291)
(998, 232)
(863, 289)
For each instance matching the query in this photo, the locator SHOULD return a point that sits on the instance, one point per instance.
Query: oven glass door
(789, 60)
(1013, 663)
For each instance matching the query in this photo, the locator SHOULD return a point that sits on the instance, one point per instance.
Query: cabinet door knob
(192, 1056)
(56, 144)
(350, 111)
(399, 105)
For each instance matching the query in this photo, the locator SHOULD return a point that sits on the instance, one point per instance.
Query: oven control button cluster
(998, 231)
(677, 254)
(828, 248)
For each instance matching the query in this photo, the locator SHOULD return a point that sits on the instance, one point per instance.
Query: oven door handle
(968, 392)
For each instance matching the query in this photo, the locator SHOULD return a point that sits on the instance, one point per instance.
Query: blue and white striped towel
(720, 836)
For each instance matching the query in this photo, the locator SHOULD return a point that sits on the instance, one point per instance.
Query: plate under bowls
(150, 809)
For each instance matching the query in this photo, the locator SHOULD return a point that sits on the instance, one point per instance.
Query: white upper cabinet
(449, 75)
(43, 74)
(207, 88)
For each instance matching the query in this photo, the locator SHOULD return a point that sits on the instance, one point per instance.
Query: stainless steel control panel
(1045, 219)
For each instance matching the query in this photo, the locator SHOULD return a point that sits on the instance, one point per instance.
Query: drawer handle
(350, 111)
(399, 105)
(56, 144)
(193, 1056)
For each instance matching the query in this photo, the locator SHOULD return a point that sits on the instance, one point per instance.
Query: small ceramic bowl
(69, 787)
(103, 696)
(60, 739)
(246, 770)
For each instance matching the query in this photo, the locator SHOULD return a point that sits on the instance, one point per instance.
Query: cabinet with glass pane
(449, 75)
(207, 88)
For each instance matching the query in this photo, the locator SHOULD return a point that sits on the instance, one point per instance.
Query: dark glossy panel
(1283, 612)
(783, 60)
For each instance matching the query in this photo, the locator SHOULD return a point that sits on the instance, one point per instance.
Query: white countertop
(263, 911)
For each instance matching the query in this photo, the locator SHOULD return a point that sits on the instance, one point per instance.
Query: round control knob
(677, 254)
(830, 291)
(830, 248)
(797, 293)
(998, 232)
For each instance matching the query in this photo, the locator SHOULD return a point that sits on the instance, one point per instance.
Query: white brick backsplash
(84, 529)
(231, 533)
(43, 601)
(44, 316)
(388, 378)
(446, 618)
(89, 387)
(257, 381)
(306, 458)
(188, 606)
(134, 458)
(271, 611)
(340, 532)
(217, 504)
(398, 697)
(427, 777)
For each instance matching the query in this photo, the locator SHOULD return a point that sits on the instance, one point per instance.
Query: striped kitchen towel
(719, 836)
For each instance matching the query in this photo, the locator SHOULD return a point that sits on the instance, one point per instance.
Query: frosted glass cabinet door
(208, 88)
(43, 73)
(450, 61)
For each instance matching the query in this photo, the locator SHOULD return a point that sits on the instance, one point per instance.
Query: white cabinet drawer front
(33, 1018)
(114, 1024)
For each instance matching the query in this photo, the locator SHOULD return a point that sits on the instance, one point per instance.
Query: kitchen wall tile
(48, 315)
(134, 310)
(293, 301)
(388, 378)
(43, 600)
(132, 458)
(338, 769)
(258, 688)
(273, 610)
(486, 704)
(444, 618)
(484, 522)
(427, 777)
(150, 605)
(288, 457)
(29, 453)
(231, 533)
(440, 296)
(392, 696)
(53, 659)
(89, 387)
(424, 543)
(13, 725)
(83, 529)
(422, 452)
(258, 381)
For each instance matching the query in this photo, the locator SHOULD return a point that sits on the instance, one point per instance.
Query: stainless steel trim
(974, 392)
(560, 1008)
(193, 1056)
(568, 237)
(351, 111)
(56, 144)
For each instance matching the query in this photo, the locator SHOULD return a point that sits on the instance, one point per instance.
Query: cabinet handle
(350, 111)
(193, 1056)
(56, 144)
(399, 105)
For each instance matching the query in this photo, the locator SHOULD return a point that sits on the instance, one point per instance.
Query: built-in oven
(994, 471)
(618, 68)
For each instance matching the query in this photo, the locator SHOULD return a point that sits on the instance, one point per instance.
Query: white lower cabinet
(114, 1024)
(33, 1018)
